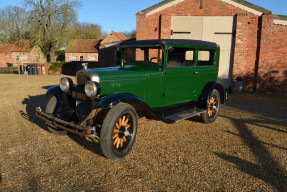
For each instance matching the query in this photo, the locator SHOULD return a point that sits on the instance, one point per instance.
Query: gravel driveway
(244, 150)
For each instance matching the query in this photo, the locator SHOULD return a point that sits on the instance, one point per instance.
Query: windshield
(141, 55)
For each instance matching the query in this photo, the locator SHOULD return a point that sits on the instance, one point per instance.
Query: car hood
(124, 73)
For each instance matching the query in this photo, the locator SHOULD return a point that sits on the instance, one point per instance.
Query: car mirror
(170, 49)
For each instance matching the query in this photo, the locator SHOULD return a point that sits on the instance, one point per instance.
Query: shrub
(56, 67)
(8, 70)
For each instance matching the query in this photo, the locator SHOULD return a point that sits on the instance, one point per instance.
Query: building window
(24, 58)
(17, 58)
(81, 58)
(91, 58)
(73, 58)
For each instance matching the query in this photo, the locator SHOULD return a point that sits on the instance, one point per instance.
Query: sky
(120, 15)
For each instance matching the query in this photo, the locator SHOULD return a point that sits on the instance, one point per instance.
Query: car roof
(170, 41)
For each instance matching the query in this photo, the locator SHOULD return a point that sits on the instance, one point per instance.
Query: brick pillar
(141, 26)
(165, 26)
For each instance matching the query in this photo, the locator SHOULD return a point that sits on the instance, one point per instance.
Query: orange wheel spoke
(115, 136)
(122, 142)
(120, 122)
(127, 127)
(126, 122)
(116, 130)
(116, 140)
(118, 143)
(125, 139)
(117, 125)
(123, 121)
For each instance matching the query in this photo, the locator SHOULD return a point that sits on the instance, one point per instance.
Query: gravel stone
(245, 149)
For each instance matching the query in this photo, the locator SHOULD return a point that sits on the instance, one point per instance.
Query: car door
(206, 66)
(180, 84)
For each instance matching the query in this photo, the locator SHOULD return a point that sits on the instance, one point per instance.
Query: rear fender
(204, 97)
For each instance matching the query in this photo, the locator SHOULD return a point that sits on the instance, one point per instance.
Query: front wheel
(118, 131)
(213, 106)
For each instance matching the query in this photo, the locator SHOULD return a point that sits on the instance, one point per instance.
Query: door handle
(196, 72)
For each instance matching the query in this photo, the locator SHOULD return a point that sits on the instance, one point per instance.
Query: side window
(180, 57)
(206, 57)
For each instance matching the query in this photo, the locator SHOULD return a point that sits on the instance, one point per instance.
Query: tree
(13, 24)
(132, 34)
(49, 22)
(85, 31)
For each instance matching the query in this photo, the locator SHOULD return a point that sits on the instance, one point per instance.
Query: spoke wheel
(122, 132)
(213, 105)
(118, 131)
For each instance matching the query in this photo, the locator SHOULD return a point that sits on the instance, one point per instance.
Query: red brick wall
(4, 58)
(68, 56)
(158, 25)
(272, 70)
(110, 38)
(21, 55)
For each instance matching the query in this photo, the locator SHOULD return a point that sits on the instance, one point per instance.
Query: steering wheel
(158, 59)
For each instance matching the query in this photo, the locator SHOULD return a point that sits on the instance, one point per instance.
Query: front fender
(140, 106)
(204, 97)
(54, 90)
(111, 100)
(65, 102)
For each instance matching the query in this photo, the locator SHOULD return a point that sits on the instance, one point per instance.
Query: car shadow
(31, 102)
(91, 144)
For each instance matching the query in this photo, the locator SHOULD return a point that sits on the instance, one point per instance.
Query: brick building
(102, 51)
(108, 53)
(112, 39)
(20, 53)
(83, 50)
(252, 39)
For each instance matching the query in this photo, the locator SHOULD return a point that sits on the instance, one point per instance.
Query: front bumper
(80, 130)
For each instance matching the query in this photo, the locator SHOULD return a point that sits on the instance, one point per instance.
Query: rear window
(180, 57)
(206, 57)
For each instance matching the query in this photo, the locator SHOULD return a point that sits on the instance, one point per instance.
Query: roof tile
(83, 46)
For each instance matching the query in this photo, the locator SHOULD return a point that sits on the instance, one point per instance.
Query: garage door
(209, 28)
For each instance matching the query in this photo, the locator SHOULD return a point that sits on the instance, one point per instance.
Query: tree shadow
(267, 169)
(91, 144)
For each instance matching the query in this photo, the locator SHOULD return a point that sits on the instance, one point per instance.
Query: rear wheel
(213, 106)
(50, 109)
(118, 131)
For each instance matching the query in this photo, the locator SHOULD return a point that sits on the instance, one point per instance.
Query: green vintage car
(165, 79)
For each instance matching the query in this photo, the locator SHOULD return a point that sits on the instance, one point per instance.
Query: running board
(184, 115)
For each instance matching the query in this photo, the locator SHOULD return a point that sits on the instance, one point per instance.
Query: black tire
(118, 131)
(213, 106)
(50, 109)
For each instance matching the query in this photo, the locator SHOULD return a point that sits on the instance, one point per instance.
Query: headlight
(65, 84)
(92, 89)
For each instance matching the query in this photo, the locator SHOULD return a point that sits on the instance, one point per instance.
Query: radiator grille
(82, 80)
